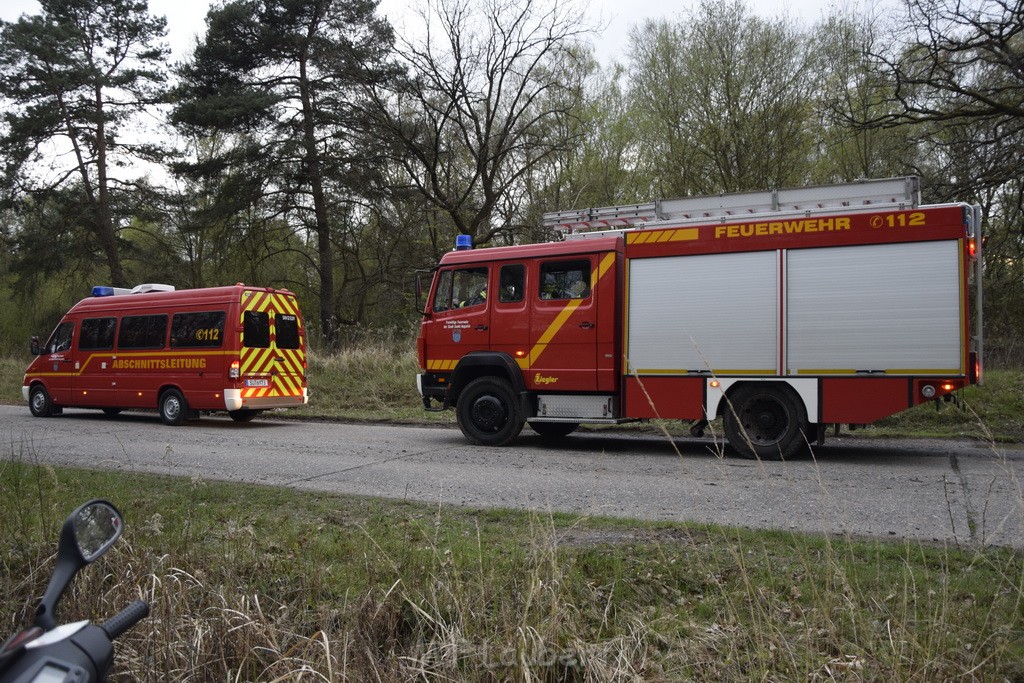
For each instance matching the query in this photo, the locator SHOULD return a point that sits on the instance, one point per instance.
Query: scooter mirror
(97, 525)
(88, 533)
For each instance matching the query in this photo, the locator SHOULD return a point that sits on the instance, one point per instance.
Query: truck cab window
(565, 280)
(60, 340)
(97, 334)
(461, 288)
(511, 285)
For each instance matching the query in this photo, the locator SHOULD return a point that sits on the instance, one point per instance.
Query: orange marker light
(947, 386)
(714, 384)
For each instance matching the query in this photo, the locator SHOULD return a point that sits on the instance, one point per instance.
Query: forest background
(305, 144)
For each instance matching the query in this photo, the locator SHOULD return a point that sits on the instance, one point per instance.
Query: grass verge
(252, 583)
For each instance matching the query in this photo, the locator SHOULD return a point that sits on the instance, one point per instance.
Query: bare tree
(482, 104)
(962, 64)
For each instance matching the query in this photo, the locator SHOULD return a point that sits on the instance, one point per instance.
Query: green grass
(252, 583)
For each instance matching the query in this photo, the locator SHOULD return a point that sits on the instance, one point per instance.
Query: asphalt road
(945, 491)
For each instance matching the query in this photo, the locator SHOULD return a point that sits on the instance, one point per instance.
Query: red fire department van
(780, 312)
(237, 349)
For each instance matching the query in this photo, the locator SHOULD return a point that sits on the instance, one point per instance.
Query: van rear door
(272, 362)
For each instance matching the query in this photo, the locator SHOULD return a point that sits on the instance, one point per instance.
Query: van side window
(565, 280)
(97, 334)
(197, 330)
(256, 330)
(511, 284)
(142, 332)
(60, 340)
(287, 327)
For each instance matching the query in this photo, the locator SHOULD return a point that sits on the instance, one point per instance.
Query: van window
(287, 331)
(565, 280)
(60, 340)
(142, 332)
(97, 334)
(256, 330)
(197, 330)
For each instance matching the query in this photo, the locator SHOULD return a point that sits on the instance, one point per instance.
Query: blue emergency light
(463, 242)
(102, 291)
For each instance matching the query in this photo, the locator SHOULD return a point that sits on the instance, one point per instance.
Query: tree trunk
(322, 225)
(103, 222)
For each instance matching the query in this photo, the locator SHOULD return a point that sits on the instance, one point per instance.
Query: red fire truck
(781, 312)
(240, 349)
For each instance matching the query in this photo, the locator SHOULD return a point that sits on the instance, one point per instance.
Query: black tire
(39, 402)
(554, 430)
(488, 412)
(765, 421)
(244, 415)
(111, 411)
(173, 408)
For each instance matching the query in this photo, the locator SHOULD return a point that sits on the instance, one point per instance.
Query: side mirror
(87, 534)
(33, 346)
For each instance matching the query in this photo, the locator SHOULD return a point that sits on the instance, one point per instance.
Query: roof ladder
(902, 192)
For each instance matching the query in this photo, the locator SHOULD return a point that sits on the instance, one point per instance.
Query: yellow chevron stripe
(556, 325)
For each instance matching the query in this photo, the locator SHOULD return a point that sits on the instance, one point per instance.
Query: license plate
(257, 382)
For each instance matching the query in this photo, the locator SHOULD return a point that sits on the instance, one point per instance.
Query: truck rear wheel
(554, 430)
(244, 415)
(488, 412)
(765, 422)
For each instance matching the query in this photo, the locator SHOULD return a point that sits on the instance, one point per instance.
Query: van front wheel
(488, 412)
(39, 401)
(172, 407)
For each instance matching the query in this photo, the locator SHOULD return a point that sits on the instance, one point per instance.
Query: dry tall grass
(251, 584)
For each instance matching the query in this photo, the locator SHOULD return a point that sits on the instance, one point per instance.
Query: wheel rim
(765, 421)
(172, 407)
(488, 414)
(38, 401)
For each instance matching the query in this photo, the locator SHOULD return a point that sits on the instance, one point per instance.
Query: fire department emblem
(456, 336)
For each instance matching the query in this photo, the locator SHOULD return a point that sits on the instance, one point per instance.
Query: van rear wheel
(488, 412)
(39, 401)
(172, 407)
(244, 415)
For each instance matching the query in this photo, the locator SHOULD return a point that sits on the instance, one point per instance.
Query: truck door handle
(586, 324)
(480, 327)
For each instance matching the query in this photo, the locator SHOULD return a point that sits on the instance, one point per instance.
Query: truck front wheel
(488, 412)
(765, 422)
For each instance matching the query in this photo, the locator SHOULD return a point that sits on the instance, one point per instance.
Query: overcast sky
(185, 17)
